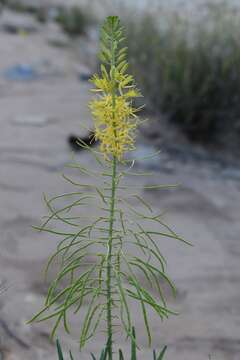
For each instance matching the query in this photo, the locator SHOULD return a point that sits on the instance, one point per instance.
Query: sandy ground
(35, 119)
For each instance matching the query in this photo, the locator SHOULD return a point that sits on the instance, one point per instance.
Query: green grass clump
(104, 353)
(189, 70)
(73, 20)
(19, 6)
(39, 12)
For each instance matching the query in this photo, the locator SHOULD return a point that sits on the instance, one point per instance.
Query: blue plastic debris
(21, 72)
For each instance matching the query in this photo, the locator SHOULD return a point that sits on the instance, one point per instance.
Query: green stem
(111, 220)
(112, 211)
(109, 261)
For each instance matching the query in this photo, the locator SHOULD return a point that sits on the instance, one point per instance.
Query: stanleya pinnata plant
(104, 257)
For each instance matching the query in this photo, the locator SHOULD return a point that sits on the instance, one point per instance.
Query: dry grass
(190, 70)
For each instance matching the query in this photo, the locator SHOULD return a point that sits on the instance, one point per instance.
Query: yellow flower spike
(114, 115)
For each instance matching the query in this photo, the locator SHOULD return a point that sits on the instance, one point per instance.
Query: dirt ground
(36, 118)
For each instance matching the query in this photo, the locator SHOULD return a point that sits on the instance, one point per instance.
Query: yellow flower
(114, 115)
(115, 128)
(115, 120)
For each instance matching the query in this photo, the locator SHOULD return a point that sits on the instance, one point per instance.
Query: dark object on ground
(85, 76)
(75, 142)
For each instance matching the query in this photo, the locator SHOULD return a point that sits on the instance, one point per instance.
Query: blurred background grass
(189, 70)
(186, 66)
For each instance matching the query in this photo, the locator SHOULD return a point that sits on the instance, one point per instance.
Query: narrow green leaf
(59, 349)
(161, 355)
(71, 355)
(154, 355)
(137, 286)
(133, 345)
(121, 357)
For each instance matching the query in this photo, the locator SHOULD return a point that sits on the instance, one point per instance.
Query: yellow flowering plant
(120, 242)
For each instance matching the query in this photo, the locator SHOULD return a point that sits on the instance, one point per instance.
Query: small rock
(55, 36)
(58, 40)
(38, 120)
